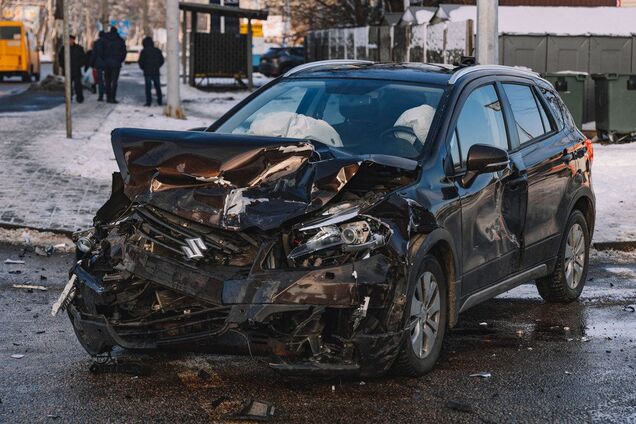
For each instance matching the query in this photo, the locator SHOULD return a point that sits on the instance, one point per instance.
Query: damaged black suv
(339, 219)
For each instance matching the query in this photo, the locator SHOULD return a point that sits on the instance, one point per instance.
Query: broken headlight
(323, 242)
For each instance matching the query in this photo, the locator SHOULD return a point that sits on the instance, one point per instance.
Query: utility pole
(487, 32)
(67, 71)
(173, 107)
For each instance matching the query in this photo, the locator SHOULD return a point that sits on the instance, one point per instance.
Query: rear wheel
(426, 324)
(26, 77)
(566, 283)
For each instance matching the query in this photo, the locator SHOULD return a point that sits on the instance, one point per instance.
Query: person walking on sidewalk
(113, 53)
(78, 60)
(97, 63)
(150, 61)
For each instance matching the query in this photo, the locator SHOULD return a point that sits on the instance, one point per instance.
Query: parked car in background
(339, 219)
(19, 52)
(278, 60)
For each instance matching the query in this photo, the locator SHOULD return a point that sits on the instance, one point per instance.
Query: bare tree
(317, 14)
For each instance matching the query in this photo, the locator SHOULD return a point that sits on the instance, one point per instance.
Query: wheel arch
(585, 203)
(439, 243)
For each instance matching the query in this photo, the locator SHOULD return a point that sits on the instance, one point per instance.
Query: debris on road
(114, 367)
(254, 410)
(629, 308)
(29, 287)
(44, 251)
(483, 324)
(13, 262)
(585, 339)
(17, 356)
(458, 405)
(481, 375)
(568, 373)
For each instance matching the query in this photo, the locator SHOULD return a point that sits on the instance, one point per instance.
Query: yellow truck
(19, 53)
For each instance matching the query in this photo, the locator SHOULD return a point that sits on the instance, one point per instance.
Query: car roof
(430, 73)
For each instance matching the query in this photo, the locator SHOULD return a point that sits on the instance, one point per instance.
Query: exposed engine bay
(247, 244)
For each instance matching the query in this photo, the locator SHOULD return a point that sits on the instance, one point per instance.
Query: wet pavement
(549, 363)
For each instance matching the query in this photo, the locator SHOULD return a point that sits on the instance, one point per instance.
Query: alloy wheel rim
(424, 315)
(574, 261)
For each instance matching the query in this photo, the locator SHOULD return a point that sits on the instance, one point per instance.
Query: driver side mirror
(483, 158)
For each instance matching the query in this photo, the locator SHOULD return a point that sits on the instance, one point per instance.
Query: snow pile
(613, 173)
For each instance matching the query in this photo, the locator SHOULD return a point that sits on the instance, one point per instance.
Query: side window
(556, 106)
(481, 121)
(454, 149)
(526, 112)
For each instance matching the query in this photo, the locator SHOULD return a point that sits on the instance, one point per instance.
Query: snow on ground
(89, 153)
(613, 178)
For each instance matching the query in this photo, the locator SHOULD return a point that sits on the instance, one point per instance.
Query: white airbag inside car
(419, 119)
(294, 125)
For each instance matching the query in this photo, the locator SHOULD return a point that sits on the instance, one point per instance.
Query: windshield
(356, 115)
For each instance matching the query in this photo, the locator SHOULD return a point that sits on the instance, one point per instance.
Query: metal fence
(439, 43)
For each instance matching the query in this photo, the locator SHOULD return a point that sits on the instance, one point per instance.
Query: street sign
(123, 26)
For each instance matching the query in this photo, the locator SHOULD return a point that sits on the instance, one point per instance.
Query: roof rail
(319, 63)
(475, 68)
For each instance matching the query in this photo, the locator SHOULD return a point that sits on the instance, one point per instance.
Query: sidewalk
(50, 182)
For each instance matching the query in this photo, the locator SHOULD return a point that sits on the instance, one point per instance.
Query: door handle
(516, 182)
(567, 157)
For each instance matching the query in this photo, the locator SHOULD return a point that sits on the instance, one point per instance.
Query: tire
(409, 361)
(566, 283)
(26, 77)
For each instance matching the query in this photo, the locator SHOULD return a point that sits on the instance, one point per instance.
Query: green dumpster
(615, 103)
(571, 87)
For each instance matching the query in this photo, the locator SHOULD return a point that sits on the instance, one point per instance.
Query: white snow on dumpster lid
(551, 20)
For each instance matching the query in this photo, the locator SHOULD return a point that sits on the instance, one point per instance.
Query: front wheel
(426, 323)
(566, 283)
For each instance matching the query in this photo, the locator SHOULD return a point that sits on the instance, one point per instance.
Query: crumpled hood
(234, 181)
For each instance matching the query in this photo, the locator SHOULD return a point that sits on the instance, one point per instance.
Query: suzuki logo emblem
(194, 248)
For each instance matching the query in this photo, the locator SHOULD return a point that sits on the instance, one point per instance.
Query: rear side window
(480, 121)
(527, 112)
(10, 33)
(559, 111)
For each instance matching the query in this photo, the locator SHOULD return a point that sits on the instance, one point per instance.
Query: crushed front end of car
(247, 244)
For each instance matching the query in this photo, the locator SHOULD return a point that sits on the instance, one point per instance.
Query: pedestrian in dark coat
(150, 61)
(113, 54)
(97, 64)
(78, 60)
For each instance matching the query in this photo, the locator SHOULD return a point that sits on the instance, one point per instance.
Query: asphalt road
(549, 363)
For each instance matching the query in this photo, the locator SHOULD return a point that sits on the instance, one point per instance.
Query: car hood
(236, 181)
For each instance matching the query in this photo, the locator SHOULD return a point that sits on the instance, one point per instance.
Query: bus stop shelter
(215, 54)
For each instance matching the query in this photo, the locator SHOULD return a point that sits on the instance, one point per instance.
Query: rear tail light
(590, 149)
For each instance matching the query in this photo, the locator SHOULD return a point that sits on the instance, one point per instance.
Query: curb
(625, 246)
(7, 226)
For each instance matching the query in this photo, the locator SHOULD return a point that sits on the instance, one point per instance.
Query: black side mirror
(483, 158)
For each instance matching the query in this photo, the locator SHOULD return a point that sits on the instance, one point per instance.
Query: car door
(493, 204)
(544, 149)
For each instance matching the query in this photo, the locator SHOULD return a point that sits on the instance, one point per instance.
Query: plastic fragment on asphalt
(520, 333)
(566, 328)
(29, 287)
(333, 388)
(458, 405)
(483, 324)
(254, 410)
(13, 262)
(585, 339)
(568, 373)
(629, 308)
(481, 375)
(17, 356)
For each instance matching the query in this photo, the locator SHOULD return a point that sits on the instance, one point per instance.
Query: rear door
(493, 204)
(543, 147)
